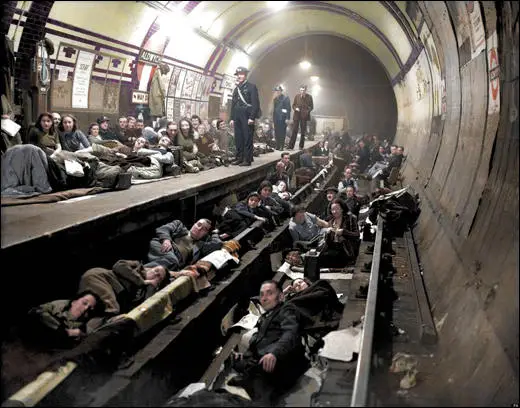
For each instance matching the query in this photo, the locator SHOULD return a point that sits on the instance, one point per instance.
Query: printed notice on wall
(494, 74)
(81, 82)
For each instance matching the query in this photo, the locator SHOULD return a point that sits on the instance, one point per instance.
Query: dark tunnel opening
(351, 82)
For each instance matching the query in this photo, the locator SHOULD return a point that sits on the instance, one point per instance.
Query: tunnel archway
(350, 82)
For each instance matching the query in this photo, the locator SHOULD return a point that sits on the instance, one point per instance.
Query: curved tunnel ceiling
(379, 27)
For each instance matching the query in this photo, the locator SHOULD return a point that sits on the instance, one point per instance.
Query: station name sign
(147, 56)
(140, 97)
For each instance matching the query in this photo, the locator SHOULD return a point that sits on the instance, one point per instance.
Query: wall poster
(174, 79)
(494, 74)
(180, 83)
(189, 83)
(81, 83)
(200, 88)
(170, 105)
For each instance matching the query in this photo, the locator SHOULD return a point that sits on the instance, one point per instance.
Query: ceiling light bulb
(305, 64)
(277, 5)
(315, 78)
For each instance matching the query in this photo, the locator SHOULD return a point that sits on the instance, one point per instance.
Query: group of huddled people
(59, 156)
(367, 155)
(275, 356)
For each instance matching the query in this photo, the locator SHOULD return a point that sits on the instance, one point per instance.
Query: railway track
(174, 332)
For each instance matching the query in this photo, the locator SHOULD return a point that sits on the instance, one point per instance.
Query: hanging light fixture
(305, 64)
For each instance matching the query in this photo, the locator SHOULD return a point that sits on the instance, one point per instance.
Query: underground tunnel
(439, 78)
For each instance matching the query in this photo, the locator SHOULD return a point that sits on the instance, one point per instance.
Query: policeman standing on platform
(245, 108)
(281, 116)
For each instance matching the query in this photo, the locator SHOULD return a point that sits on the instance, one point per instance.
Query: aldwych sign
(148, 56)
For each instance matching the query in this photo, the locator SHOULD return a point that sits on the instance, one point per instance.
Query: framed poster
(200, 88)
(182, 109)
(180, 83)
(203, 110)
(177, 110)
(174, 79)
(208, 87)
(189, 83)
(81, 83)
(194, 108)
(198, 78)
(170, 104)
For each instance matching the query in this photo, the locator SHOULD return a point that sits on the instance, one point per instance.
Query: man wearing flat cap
(302, 105)
(245, 108)
(281, 116)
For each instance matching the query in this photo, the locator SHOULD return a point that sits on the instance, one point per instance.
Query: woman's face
(222, 125)
(299, 285)
(94, 131)
(46, 122)
(336, 210)
(68, 124)
(253, 202)
(185, 127)
(139, 143)
(265, 192)
(195, 123)
(104, 125)
(82, 305)
(282, 186)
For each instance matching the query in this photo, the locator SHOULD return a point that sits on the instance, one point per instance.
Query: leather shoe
(236, 162)
(243, 164)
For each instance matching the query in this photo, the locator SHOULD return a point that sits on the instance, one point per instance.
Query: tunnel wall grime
(462, 159)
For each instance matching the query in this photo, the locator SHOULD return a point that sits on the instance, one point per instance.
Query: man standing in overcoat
(281, 116)
(302, 105)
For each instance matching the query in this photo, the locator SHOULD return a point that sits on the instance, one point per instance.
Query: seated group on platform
(59, 156)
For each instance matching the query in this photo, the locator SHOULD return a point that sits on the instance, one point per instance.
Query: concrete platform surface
(21, 224)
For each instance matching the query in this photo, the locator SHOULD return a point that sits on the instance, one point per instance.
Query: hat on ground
(102, 119)
(278, 88)
(241, 70)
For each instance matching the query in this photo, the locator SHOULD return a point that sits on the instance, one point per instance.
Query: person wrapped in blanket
(236, 219)
(125, 286)
(62, 323)
(174, 246)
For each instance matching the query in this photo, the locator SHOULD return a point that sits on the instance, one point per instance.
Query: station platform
(34, 222)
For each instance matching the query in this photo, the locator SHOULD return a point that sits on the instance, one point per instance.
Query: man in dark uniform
(245, 108)
(281, 116)
(302, 105)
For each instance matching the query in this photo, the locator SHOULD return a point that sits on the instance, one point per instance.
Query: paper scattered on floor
(326, 275)
(192, 389)
(341, 344)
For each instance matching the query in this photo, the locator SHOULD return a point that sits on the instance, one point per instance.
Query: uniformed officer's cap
(241, 70)
(278, 88)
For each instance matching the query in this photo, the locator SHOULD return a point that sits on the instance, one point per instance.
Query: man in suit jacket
(281, 116)
(302, 105)
(276, 357)
(245, 108)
